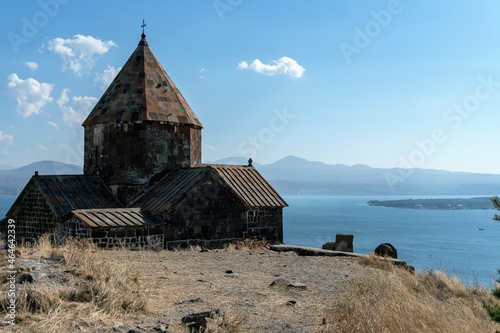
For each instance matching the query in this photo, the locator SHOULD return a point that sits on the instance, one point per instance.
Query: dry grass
(247, 245)
(113, 287)
(96, 288)
(85, 286)
(395, 301)
(375, 261)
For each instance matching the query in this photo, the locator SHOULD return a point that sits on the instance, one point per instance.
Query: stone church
(144, 185)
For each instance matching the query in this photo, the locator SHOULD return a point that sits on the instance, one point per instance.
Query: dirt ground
(234, 282)
(238, 284)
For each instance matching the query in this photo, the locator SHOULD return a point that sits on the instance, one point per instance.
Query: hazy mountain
(6, 167)
(13, 181)
(294, 175)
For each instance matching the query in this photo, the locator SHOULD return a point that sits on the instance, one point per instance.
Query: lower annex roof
(112, 218)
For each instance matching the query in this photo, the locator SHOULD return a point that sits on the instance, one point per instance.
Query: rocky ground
(256, 290)
(239, 283)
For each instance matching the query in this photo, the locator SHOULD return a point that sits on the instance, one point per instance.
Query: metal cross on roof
(142, 26)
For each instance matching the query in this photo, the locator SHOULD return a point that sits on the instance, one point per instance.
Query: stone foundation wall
(33, 216)
(141, 238)
(203, 243)
(144, 238)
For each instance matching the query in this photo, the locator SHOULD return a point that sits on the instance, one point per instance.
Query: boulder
(329, 246)
(197, 322)
(386, 250)
(280, 283)
(26, 278)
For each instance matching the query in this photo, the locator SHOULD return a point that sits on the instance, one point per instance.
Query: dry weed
(375, 261)
(93, 287)
(247, 245)
(194, 248)
(37, 300)
(397, 301)
(43, 246)
(113, 287)
(186, 247)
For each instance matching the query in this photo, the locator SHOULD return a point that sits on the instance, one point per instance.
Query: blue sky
(381, 83)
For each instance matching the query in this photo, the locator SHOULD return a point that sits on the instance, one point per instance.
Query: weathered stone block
(344, 242)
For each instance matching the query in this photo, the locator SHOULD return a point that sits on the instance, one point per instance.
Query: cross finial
(142, 26)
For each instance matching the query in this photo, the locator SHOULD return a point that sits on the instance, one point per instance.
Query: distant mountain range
(13, 181)
(294, 175)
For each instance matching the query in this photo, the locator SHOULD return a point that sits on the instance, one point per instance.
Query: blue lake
(5, 203)
(465, 243)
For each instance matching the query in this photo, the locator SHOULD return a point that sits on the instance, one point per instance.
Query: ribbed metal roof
(67, 192)
(171, 189)
(142, 91)
(249, 185)
(245, 182)
(118, 217)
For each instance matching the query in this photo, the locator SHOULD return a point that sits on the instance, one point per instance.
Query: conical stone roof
(142, 91)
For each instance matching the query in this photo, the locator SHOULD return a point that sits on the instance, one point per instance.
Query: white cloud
(75, 113)
(53, 124)
(80, 52)
(202, 73)
(242, 65)
(30, 94)
(282, 66)
(5, 141)
(209, 147)
(32, 65)
(105, 79)
(42, 147)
